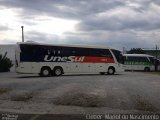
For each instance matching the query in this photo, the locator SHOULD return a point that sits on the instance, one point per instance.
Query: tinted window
(152, 60)
(94, 52)
(66, 51)
(100, 52)
(82, 51)
(136, 59)
(36, 49)
(144, 59)
(118, 56)
(28, 49)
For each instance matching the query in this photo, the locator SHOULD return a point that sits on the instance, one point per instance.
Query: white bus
(141, 62)
(47, 60)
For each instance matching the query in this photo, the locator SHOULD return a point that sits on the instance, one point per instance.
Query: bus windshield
(118, 56)
(152, 60)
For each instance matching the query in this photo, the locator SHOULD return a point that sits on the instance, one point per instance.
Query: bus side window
(108, 53)
(73, 52)
(152, 60)
(53, 52)
(138, 59)
(94, 52)
(83, 51)
(56, 52)
(102, 53)
(65, 52)
(130, 58)
(145, 59)
(28, 49)
(42, 50)
(59, 52)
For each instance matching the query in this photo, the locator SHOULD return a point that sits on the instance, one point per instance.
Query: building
(10, 49)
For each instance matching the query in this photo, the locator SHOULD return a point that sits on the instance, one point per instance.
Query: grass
(4, 90)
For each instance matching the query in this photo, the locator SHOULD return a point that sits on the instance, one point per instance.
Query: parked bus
(141, 62)
(47, 60)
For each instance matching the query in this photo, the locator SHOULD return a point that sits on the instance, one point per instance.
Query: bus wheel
(147, 69)
(57, 71)
(111, 70)
(45, 72)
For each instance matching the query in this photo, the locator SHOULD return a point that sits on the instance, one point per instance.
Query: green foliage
(5, 63)
(136, 51)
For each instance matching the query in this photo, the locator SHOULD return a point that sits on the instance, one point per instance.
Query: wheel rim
(58, 72)
(45, 72)
(110, 71)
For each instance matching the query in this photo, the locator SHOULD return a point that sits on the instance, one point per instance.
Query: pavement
(129, 92)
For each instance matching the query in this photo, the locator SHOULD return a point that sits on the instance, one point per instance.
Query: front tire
(111, 71)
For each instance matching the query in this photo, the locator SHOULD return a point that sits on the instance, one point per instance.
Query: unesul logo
(48, 58)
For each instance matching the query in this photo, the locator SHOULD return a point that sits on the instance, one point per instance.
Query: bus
(142, 62)
(47, 60)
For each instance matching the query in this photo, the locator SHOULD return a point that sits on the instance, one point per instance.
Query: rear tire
(45, 72)
(57, 71)
(111, 71)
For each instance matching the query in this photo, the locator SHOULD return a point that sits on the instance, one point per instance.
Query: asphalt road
(129, 92)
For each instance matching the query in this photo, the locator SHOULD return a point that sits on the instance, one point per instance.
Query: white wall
(10, 49)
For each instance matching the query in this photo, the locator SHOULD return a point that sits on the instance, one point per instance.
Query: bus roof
(138, 55)
(67, 45)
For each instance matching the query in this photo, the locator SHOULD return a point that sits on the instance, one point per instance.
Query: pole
(123, 50)
(156, 64)
(156, 51)
(22, 34)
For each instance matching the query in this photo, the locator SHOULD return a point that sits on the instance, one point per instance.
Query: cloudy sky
(117, 23)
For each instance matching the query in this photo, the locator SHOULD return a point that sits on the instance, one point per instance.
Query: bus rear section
(47, 60)
(139, 62)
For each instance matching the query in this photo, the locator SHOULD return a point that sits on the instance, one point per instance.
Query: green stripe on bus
(136, 63)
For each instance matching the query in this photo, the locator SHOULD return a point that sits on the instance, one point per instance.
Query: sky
(116, 23)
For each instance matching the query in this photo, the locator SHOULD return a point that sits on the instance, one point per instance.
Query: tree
(5, 63)
(136, 51)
